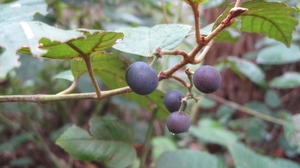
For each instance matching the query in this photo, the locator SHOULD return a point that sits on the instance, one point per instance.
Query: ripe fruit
(141, 78)
(207, 79)
(172, 100)
(178, 122)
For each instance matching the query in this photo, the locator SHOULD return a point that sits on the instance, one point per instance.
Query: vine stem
(248, 110)
(148, 139)
(87, 60)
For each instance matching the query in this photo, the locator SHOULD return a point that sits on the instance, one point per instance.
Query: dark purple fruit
(172, 100)
(178, 122)
(141, 78)
(207, 79)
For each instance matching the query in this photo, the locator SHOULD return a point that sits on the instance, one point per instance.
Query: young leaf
(12, 16)
(272, 19)
(286, 81)
(188, 159)
(279, 54)
(112, 151)
(248, 69)
(111, 70)
(144, 41)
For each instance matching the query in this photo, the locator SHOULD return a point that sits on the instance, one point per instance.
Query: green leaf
(21, 162)
(161, 145)
(292, 131)
(144, 41)
(187, 159)
(10, 145)
(246, 158)
(111, 151)
(213, 132)
(206, 103)
(54, 43)
(248, 69)
(279, 54)
(67, 75)
(272, 19)
(224, 113)
(111, 130)
(111, 70)
(272, 99)
(12, 18)
(286, 81)
(259, 106)
(243, 157)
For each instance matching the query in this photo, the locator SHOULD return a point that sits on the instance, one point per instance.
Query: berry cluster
(143, 80)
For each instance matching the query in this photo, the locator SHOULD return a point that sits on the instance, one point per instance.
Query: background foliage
(260, 74)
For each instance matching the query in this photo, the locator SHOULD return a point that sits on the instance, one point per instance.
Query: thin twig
(69, 89)
(75, 96)
(197, 23)
(248, 110)
(180, 81)
(87, 60)
(204, 52)
(189, 74)
(234, 12)
(175, 52)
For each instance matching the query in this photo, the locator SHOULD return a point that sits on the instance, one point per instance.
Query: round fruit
(178, 122)
(172, 100)
(207, 79)
(141, 78)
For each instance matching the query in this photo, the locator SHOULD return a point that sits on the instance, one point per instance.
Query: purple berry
(178, 122)
(141, 78)
(207, 79)
(172, 100)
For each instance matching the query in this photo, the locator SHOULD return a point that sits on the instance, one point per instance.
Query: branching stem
(87, 60)
(188, 58)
